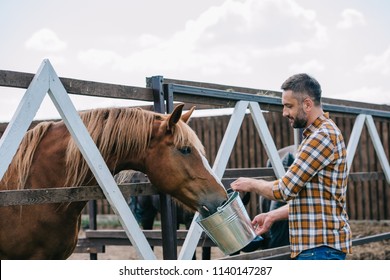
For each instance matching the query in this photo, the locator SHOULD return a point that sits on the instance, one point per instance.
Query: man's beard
(300, 120)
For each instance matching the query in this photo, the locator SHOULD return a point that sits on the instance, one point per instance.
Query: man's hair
(303, 83)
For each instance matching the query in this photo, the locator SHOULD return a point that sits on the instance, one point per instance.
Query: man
(314, 185)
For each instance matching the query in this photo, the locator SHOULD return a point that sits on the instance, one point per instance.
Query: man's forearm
(261, 187)
(264, 188)
(280, 213)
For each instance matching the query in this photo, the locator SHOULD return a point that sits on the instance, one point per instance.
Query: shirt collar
(316, 124)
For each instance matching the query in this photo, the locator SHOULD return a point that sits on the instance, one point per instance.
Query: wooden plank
(239, 146)
(351, 200)
(121, 234)
(248, 172)
(212, 138)
(245, 143)
(80, 87)
(359, 201)
(387, 198)
(59, 195)
(252, 154)
(119, 238)
(15, 79)
(381, 186)
(253, 205)
(98, 89)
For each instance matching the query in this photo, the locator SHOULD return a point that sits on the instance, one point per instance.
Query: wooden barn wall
(368, 194)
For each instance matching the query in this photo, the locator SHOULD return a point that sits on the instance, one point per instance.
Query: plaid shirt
(316, 184)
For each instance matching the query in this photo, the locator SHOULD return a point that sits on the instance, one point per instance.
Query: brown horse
(162, 146)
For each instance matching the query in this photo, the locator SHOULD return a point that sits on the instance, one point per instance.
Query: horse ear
(175, 116)
(186, 116)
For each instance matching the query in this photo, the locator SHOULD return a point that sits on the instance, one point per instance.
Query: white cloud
(309, 67)
(376, 95)
(98, 58)
(223, 38)
(148, 40)
(56, 59)
(351, 18)
(376, 63)
(45, 40)
(251, 27)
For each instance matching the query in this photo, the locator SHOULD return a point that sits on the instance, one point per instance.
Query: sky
(258, 44)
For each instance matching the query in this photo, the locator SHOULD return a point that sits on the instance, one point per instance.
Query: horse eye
(185, 150)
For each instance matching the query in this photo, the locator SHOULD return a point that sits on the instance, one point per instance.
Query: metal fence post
(168, 210)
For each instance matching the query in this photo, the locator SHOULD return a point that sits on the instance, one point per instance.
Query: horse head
(176, 164)
(162, 146)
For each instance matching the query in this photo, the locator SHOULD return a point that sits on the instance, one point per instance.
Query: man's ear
(308, 104)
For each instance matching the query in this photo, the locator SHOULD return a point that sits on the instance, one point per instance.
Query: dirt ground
(372, 251)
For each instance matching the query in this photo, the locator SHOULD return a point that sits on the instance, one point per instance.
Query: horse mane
(106, 127)
(23, 158)
(114, 131)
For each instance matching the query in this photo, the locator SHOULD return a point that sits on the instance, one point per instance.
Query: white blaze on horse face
(210, 170)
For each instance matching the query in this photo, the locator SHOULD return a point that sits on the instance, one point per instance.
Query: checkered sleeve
(314, 154)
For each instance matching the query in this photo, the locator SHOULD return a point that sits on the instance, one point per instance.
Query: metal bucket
(230, 227)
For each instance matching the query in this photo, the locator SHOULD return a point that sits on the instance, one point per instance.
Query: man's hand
(243, 184)
(262, 223)
(260, 187)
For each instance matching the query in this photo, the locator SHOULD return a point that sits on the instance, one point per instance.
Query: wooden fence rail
(86, 193)
(71, 194)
